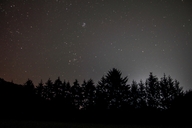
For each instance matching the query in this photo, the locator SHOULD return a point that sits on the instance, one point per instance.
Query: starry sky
(83, 39)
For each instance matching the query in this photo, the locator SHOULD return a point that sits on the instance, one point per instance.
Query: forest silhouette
(112, 99)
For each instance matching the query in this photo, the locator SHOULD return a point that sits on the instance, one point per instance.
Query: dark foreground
(54, 124)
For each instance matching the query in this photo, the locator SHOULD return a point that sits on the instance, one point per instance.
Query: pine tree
(89, 94)
(134, 95)
(166, 88)
(40, 90)
(57, 89)
(29, 89)
(153, 92)
(49, 93)
(76, 95)
(141, 95)
(28, 98)
(169, 90)
(66, 95)
(29, 85)
(178, 91)
(111, 88)
(101, 95)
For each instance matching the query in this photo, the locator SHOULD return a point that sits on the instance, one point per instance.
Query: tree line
(111, 96)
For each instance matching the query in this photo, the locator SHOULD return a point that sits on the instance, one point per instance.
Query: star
(83, 25)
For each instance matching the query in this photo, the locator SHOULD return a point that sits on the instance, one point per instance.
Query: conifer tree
(111, 87)
(101, 95)
(76, 95)
(153, 92)
(40, 90)
(29, 89)
(49, 93)
(57, 89)
(134, 95)
(89, 95)
(141, 95)
(169, 90)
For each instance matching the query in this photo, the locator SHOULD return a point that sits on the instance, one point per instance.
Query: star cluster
(82, 39)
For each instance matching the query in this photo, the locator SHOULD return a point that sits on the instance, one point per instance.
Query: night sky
(83, 39)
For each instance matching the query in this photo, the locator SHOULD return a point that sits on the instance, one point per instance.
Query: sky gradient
(83, 39)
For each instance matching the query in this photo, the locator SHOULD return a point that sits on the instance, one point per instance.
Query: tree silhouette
(29, 98)
(89, 94)
(101, 95)
(169, 90)
(134, 95)
(49, 92)
(111, 89)
(153, 93)
(141, 95)
(29, 89)
(40, 90)
(178, 91)
(76, 95)
(57, 89)
(66, 90)
(29, 85)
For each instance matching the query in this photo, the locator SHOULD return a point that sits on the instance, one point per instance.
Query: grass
(43, 124)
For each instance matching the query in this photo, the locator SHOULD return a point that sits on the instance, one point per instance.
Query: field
(42, 124)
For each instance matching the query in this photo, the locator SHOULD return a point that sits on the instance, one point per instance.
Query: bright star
(84, 24)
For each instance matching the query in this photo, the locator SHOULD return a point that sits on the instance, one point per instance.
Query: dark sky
(82, 39)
